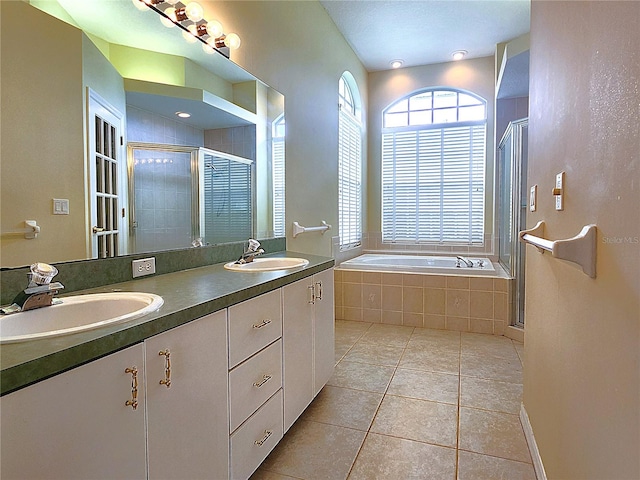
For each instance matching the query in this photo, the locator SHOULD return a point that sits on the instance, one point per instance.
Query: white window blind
(350, 180)
(277, 169)
(227, 200)
(433, 185)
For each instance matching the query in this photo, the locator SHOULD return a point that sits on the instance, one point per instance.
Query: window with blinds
(227, 199)
(349, 169)
(277, 171)
(433, 169)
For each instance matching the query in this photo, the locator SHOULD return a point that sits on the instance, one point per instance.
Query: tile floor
(411, 403)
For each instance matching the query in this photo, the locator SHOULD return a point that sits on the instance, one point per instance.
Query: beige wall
(41, 139)
(582, 338)
(476, 75)
(295, 47)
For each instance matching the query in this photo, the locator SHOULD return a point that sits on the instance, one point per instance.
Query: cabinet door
(76, 424)
(297, 337)
(187, 426)
(323, 334)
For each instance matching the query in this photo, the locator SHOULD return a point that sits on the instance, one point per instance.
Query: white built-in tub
(419, 264)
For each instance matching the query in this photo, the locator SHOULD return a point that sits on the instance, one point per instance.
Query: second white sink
(76, 314)
(267, 264)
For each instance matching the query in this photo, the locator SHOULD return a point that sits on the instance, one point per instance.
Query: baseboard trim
(531, 443)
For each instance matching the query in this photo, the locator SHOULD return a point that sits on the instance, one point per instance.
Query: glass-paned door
(105, 165)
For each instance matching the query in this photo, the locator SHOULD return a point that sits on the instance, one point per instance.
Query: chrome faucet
(467, 262)
(252, 251)
(39, 292)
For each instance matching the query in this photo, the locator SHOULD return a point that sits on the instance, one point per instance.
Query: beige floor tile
(375, 354)
(341, 349)
(312, 450)
(382, 334)
(420, 420)
(347, 325)
(493, 433)
(361, 376)
(488, 345)
(520, 349)
(490, 395)
(492, 368)
(437, 387)
(264, 475)
(344, 407)
(472, 466)
(433, 359)
(385, 458)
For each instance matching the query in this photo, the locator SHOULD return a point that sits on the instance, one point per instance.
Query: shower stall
(511, 212)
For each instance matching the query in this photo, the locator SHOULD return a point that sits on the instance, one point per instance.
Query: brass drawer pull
(167, 367)
(267, 434)
(265, 379)
(133, 403)
(264, 323)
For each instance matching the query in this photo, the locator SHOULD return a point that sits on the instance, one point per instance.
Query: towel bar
(580, 249)
(298, 229)
(30, 232)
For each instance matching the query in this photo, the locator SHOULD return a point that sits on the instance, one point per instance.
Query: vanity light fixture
(396, 63)
(459, 54)
(189, 16)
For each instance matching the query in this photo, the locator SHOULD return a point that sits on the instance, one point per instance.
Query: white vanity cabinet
(255, 381)
(308, 341)
(76, 425)
(186, 400)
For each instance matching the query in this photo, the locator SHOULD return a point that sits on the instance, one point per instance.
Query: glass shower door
(512, 205)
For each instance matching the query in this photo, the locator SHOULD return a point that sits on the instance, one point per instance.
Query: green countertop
(188, 295)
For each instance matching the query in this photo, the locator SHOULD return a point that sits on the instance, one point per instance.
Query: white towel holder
(30, 232)
(580, 249)
(298, 229)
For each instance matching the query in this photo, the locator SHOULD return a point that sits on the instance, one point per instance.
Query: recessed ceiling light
(396, 63)
(183, 114)
(459, 54)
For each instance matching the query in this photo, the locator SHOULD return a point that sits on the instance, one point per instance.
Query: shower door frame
(514, 138)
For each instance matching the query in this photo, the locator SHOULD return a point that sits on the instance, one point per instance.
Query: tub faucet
(252, 251)
(39, 292)
(467, 262)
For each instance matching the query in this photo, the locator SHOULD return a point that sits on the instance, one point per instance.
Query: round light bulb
(214, 28)
(396, 63)
(194, 11)
(459, 55)
(140, 4)
(232, 41)
(191, 35)
(169, 22)
(172, 2)
(208, 48)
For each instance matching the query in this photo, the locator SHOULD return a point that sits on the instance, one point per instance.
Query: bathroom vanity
(203, 388)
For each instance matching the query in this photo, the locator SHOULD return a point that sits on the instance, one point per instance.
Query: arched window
(277, 171)
(433, 168)
(349, 163)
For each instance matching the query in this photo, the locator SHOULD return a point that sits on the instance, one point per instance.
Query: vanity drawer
(253, 382)
(253, 325)
(255, 439)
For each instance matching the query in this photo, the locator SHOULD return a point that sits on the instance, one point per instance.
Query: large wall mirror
(94, 152)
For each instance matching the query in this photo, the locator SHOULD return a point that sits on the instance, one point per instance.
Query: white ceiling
(423, 32)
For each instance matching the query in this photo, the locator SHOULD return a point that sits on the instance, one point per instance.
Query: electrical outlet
(144, 266)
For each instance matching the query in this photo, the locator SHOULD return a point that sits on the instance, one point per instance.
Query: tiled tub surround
(409, 403)
(446, 302)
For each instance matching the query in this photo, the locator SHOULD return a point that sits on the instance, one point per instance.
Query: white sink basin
(76, 314)
(267, 264)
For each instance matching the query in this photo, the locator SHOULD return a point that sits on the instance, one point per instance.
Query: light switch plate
(144, 266)
(533, 198)
(560, 187)
(60, 206)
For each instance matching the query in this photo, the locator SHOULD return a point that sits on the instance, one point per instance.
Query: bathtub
(419, 264)
(424, 291)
